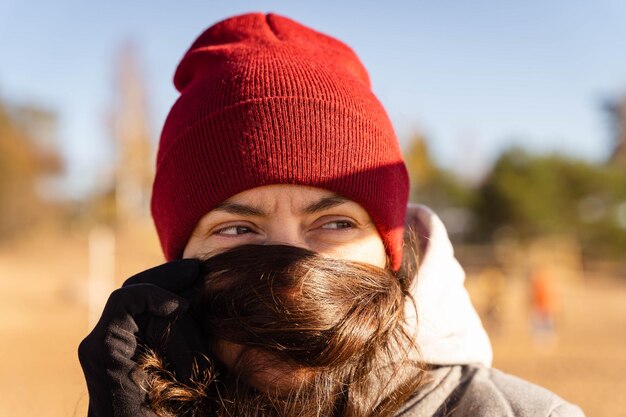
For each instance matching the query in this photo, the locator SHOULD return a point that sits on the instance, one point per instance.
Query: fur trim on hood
(449, 331)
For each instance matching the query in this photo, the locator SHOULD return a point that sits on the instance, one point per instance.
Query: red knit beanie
(265, 100)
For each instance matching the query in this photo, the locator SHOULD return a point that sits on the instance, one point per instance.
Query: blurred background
(512, 117)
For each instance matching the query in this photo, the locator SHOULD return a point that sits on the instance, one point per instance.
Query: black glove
(151, 309)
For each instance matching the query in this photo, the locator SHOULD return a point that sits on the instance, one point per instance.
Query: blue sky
(474, 76)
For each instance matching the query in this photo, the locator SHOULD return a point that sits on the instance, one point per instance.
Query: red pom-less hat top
(265, 100)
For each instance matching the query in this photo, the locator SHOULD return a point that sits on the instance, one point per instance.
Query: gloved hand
(151, 309)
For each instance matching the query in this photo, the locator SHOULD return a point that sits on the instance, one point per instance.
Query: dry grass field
(43, 317)
(585, 362)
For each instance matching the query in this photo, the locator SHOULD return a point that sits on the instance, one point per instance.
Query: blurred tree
(124, 191)
(419, 163)
(28, 157)
(555, 195)
(134, 149)
(437, 188)
(430, 184)
(616, 109)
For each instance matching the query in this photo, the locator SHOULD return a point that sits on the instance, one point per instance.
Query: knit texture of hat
(265, 100)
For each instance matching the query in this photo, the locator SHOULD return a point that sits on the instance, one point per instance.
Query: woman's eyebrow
(240, 209)
(325, 203)
(247, 210)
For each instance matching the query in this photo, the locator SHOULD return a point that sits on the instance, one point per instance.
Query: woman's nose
(285, 233)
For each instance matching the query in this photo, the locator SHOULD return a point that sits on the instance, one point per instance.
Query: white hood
(449, 330)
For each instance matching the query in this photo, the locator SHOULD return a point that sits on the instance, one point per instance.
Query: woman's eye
(339, 224)
(234, 230)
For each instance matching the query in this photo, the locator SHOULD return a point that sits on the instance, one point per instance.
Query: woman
(279, 168)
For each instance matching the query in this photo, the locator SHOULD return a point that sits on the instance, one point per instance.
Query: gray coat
(479, 391)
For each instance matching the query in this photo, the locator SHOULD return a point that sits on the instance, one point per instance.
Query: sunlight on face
(297, 215)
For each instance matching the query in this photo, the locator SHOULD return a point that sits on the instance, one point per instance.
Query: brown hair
(338, 324)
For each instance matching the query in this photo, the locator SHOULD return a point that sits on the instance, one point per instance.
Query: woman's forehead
(300, 199)
(292, 192)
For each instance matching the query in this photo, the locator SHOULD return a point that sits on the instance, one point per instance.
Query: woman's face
(311, 218)
(296, 215)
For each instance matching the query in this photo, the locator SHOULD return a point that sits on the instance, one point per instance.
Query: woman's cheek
(370, 251)
(198, 248)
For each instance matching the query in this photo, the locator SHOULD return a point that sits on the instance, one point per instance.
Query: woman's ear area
(411, 219)
(418, 218)
(417, 225)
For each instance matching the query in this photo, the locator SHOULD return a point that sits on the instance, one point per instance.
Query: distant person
(544, 305)
(294, 289)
